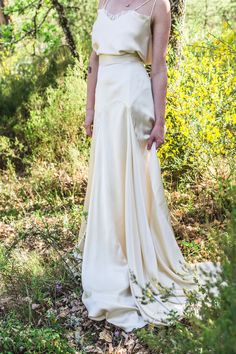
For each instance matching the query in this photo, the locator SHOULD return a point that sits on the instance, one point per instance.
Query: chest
(128, 24)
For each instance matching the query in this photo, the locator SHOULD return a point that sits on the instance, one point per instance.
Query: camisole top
(128, 31)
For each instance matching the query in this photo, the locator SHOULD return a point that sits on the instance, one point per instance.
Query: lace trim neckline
(113, 17)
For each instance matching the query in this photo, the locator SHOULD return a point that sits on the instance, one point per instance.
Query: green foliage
(31, 283)
(42, 108)
(201, 106)
(36, 23)
(15, 337)
(54, 126)
(29, 278)
(200, 111)
(42, 116)
(205, 16)
(21, 82)
(214, 331)
(20, 76)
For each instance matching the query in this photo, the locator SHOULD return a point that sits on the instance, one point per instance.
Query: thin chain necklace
(128, 5)
(115, 16)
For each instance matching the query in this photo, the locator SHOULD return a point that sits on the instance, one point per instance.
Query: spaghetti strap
(105, 4)
(153, 5)
(145, 2)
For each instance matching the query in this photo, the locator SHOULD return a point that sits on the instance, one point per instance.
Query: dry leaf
(111, 349)
(35, 306)
(105, 335)
(64, 313)
(121, 351)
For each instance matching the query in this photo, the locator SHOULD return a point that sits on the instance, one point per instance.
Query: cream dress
(126, 240)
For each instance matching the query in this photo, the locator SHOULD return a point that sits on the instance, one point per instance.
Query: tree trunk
(178, 15)
(4, 19)
(64, 23)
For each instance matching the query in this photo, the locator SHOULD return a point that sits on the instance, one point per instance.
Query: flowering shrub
(201, 103)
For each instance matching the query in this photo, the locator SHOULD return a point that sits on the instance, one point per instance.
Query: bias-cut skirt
(126, 240)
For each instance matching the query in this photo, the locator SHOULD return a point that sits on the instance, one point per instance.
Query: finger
(86, 125)
(159, 142)
(149, 143)
(89, 130)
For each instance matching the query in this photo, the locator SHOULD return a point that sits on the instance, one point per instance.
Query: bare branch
(35, 17)
(64, 23)
(32, 30)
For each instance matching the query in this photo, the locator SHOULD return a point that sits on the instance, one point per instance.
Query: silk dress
(127, 245)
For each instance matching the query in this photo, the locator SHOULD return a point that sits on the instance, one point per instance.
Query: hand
(89, 121)
(157, 135)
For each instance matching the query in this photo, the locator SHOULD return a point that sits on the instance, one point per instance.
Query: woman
(126, 240)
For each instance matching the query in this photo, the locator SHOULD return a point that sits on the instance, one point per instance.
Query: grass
(39, 229)
(41, 208)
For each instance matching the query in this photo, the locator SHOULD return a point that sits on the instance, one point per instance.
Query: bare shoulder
(163, 5)
(162, 9)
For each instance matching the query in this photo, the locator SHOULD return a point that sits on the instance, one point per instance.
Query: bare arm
(161, 32)
(91, 87)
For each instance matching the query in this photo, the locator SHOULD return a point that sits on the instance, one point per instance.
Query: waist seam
(118, 58)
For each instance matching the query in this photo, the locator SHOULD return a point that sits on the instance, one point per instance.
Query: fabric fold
(126, 242)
